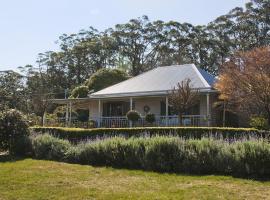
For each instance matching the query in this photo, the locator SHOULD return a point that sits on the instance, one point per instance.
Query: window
(117, 108)
(195, 110)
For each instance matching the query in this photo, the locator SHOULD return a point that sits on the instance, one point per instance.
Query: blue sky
(28, 27)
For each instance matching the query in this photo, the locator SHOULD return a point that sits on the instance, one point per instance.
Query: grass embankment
(35, 179)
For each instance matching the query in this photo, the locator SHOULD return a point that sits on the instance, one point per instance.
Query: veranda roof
(159, 81)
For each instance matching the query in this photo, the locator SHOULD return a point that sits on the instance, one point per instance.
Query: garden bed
(75, 135)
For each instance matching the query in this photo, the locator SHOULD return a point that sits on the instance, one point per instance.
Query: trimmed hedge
(163, 154)
(78, 134)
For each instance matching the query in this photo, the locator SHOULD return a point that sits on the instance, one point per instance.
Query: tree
(137, 43)
(80, 92)
(39, 89)
(12, 90)
(245, 80)
(104, 78)
(183, 97)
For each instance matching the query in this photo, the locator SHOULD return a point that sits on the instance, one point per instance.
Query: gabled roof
(159, 81)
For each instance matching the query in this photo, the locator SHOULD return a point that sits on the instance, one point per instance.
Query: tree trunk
(224, 115)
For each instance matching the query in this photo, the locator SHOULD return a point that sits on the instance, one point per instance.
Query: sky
(29, 27)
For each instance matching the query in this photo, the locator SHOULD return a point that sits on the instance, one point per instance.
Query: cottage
(148, 92)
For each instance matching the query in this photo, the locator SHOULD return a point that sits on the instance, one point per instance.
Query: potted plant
(133, 116)
(150, 118)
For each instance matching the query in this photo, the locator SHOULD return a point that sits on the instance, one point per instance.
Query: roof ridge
(182, 65)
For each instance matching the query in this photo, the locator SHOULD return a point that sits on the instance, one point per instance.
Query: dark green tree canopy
(79, 92)
(104, 78)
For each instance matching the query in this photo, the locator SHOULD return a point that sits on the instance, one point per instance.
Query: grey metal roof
(158, 81)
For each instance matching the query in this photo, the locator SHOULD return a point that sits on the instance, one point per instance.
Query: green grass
(35, 179)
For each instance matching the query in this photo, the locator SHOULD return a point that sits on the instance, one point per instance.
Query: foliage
(39, 88)
(13, 129)
(83, 115)
(33, 120)
(135, 46)
(150, 118)
(93, 123)
(79, 92)
(12, 92)
(76, 135)
(133, 116)
(183, 97)
(163, 154)
(247, 74)
(259, 123)
(104, 78)
(50, 148)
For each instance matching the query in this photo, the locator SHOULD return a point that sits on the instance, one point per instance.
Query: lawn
(34, 179)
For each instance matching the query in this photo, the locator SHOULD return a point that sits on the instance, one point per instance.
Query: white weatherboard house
(148, 92)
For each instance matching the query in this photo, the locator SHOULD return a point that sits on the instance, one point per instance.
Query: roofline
(65, 101)
(147, 93)
(200, 76)
(204, 81)
(121, 95)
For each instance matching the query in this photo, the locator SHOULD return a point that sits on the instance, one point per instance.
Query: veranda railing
(122, 121)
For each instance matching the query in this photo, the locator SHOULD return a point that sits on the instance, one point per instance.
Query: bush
(150, 118)
(259, 123)
(93, 123)
(79, 92)
(252, 158)
(33, 119)
(50, 148)
(133, 115)
(104, 78)
(76, 135)
(83, 115)
(163, 154)
(22, 147)
(13, 130)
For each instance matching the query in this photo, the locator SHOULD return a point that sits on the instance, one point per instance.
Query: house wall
(203, 107)
(154, 104)
(94, 109)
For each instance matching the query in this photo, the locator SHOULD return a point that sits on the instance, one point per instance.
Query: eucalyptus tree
(136, 40)
(12, 91)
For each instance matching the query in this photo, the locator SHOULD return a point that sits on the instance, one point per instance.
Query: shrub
(13, 130)
(50, 148)
(83, 115)
(259, 123)
(93, 123)
(163, 154)
(252, 158)
(79, 92)
(133, 115)
(22, 147)
(203, 156)
(33, 119)
(150, 118)
(76, 135)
